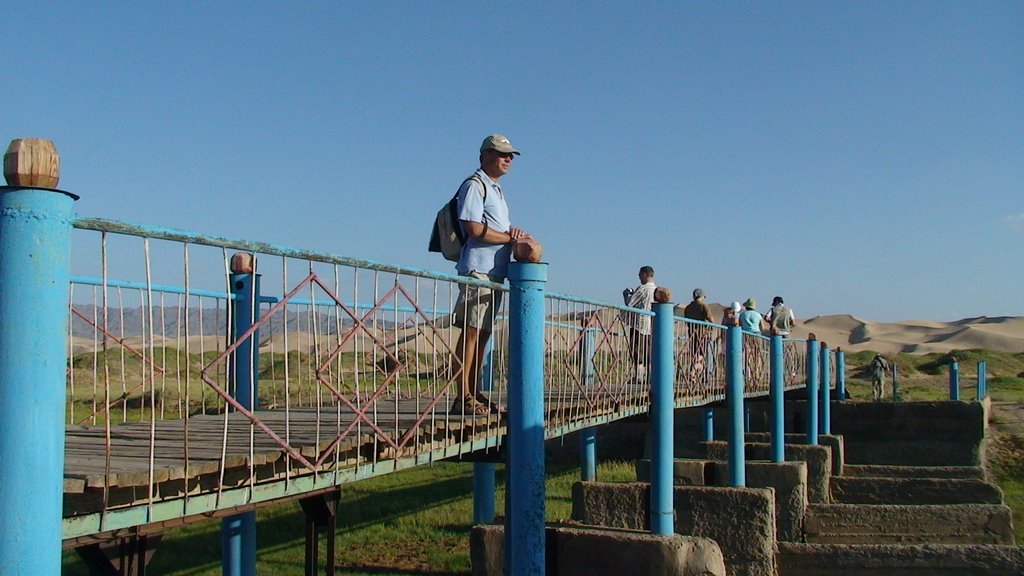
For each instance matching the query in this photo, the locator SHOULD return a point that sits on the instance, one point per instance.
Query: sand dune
(917, 336)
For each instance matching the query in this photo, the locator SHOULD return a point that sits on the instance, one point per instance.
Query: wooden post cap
(662, 294)
(242, 263)
(32, 162)
(527, 250)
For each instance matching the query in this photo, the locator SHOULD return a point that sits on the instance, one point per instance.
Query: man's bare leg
(469, 353)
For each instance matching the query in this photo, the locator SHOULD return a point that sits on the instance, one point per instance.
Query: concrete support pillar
(825, 416)
(35, 253)
(588, 436)
(238, 532)
(662, 408)
(776, 395)
(813, 358)
(524, 526)
(840, 375)
(954, 380)
(734, 400)
(982, 387)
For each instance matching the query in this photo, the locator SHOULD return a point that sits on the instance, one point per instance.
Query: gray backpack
(448, 236)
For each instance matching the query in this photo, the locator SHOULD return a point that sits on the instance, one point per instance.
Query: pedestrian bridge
(207, 376)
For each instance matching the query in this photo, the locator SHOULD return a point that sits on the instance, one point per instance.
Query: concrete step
(914, 491)
(892, 560)
(891, 524)
(882, 471)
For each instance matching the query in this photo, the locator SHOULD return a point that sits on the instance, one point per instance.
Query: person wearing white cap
(485, 255)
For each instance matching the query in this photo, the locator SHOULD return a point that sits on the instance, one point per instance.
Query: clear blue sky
(854, 157)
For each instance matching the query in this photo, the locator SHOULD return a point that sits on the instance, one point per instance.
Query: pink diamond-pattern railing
(360, 413)
(603, 377)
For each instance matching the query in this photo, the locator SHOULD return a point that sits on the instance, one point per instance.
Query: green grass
(412, 522)
(1013, 496)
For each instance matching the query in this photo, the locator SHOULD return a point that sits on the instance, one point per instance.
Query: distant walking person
(486, 254)
(699, 336)
(879, 366)
(639, 325)
(780, 317)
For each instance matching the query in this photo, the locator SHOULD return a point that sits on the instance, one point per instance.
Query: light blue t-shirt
(478, 256)
(750, 321)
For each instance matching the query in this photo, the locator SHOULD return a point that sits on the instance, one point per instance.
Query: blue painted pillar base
(35, 253)
(954, 381)
(813, 358)
(776, 394)
(483, 493)
(825, 419)
(734, 400)
(524, 526)
(588, 454)
(709, 424)
(982, 386)
(662, 412)
(238, 536)
(840, 375)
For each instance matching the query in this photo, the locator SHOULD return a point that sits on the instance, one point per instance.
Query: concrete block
(740, 520)
(919, 560)
(914, 491)
(912, 433)
(595, 551)
(685, 472)
(886, 471)
(832, 441)
(818, 459)
(892, 524)
(788, 480)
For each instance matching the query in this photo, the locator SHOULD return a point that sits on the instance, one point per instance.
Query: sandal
(469, 407)
(494, 407)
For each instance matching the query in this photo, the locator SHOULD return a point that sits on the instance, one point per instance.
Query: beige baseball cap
(499, 143)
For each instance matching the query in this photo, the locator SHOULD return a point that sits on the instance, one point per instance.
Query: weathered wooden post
(35, 254)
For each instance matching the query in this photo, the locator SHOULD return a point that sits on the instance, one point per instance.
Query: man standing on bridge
(780, 317)
(699, 336)
(486, 254)
(639, 325)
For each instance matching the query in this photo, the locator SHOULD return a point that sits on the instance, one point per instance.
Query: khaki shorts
(478, 305)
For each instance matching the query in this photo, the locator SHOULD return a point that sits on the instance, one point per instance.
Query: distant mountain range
(1005, 333)
(170, 321)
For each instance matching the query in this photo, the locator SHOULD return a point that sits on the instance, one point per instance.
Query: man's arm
(485, 234)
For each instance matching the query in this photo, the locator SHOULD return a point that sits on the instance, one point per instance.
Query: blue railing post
(709, 423)
(895, 383)
(840, 375)
(825, 416)
(588, 436)
(662, 408)
(238, 532)
(954, 379)
(734, 400)
(982, 387)
(524, 527)
(483, 472)
(777, 395)
(812, 390)
(35, 252)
